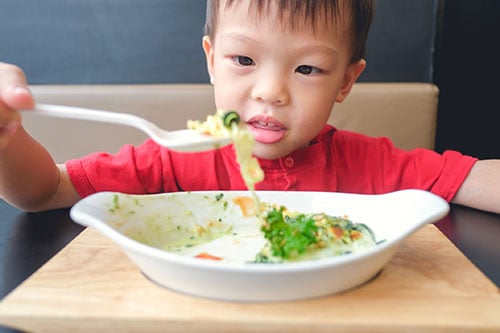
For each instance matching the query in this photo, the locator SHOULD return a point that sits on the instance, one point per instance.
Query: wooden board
(91, 286)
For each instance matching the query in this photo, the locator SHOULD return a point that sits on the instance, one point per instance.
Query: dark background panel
(400, 46)
(467, 72)
(104, 41)
(159, 41)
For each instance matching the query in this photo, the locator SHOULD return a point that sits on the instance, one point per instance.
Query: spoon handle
(72, 112)
(127, 119)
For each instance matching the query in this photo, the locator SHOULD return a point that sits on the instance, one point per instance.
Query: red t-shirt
(336, 161)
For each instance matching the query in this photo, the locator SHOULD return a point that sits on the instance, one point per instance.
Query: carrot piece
(247, 205)
(356, 235)
(205, 255)
(337, 231)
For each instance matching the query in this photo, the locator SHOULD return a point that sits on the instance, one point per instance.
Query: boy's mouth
(266, 130)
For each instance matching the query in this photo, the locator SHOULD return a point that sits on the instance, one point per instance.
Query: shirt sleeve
(134, 170)
(375, 165)
(443, 174)
(150, 168)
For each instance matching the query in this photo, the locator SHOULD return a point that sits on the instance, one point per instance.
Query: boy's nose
(271, 89)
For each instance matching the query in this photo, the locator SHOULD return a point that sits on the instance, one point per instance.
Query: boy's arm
(29, 178)
(481, 188)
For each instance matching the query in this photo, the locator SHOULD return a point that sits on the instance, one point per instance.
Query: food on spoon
(219, 124)
(230, 117)
(227, 124)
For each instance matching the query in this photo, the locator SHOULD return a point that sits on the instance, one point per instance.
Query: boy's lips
(266, 129)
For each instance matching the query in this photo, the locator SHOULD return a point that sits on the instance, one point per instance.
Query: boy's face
(283, 83)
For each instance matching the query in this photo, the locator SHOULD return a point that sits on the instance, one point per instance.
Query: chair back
(404, 112)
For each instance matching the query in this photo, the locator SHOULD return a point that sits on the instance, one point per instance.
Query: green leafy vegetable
(293, 236)
(289, 236)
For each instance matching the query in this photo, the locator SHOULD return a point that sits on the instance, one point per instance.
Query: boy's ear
(209, 54)
(350, 77)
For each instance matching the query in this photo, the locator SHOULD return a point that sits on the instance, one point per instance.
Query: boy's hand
(29, 177)
(14, 95)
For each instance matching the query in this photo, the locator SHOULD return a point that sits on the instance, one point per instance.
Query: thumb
(14, 91)
(18, 97)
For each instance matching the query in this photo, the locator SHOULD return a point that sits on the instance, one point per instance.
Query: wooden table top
(91, 286)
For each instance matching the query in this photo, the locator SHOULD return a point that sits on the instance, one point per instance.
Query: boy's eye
(306, 70)
(243, 61)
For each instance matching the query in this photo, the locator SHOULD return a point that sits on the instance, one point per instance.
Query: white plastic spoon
(186, 140)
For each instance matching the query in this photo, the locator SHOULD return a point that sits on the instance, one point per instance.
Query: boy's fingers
(19, 98)
(14, 91)
(14, 95)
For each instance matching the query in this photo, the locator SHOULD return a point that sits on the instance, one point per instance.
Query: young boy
(282, 65)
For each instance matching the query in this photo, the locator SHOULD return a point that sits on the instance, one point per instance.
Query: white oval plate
(162, 218)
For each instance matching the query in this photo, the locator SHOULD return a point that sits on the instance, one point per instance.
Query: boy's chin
(270, 151)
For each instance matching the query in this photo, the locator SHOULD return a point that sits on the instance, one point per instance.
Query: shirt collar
(314, 152)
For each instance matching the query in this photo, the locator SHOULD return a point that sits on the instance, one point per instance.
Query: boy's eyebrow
(230, 37)
(237, 37)
(322, 49)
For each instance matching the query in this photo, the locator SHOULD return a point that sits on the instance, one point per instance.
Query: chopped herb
(219, 196)
(262, 259)
(116, 204)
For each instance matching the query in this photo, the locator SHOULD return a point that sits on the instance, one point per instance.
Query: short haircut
(358, 13)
